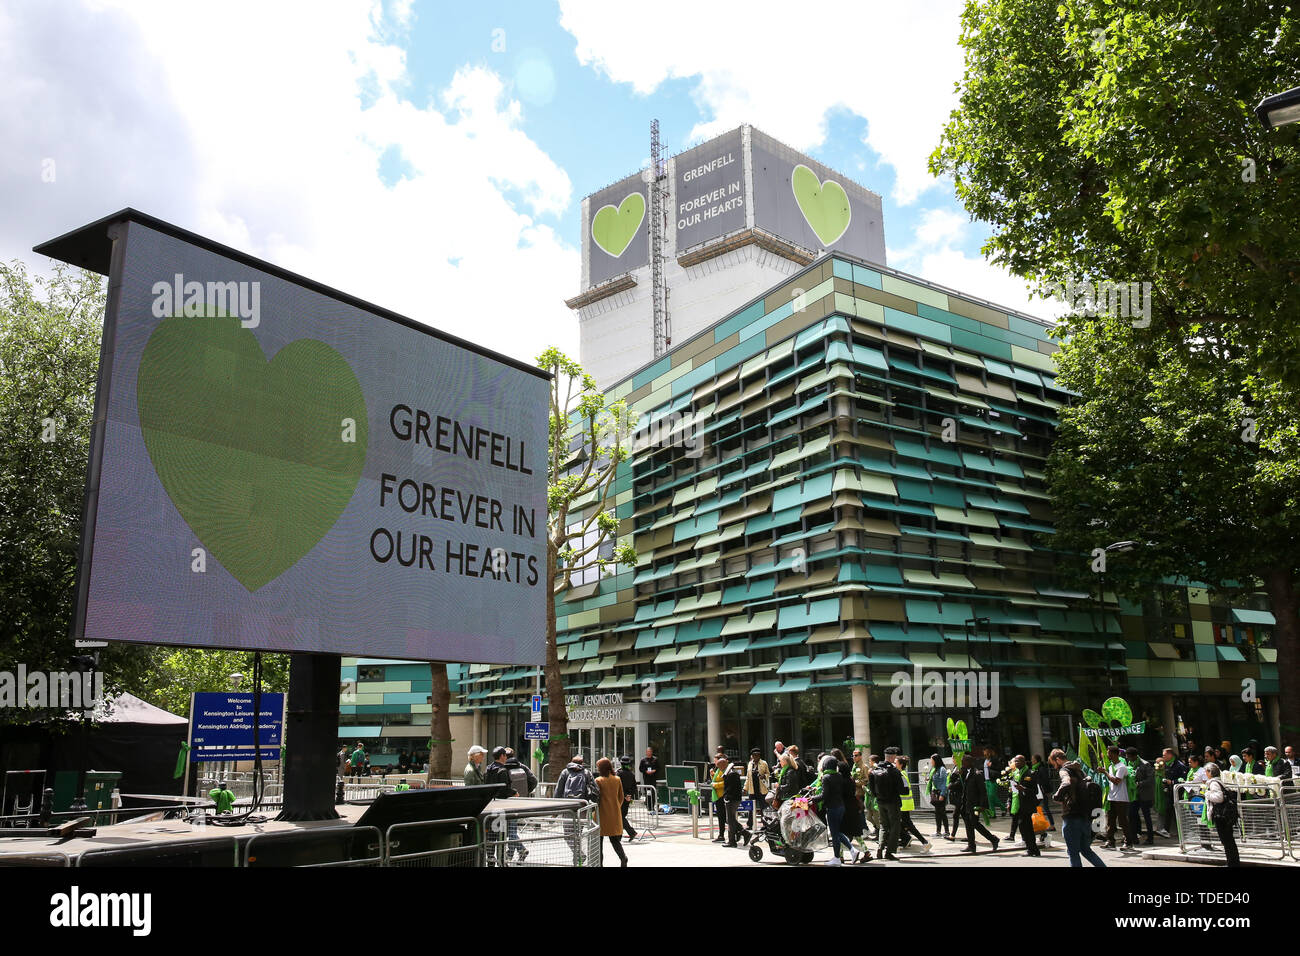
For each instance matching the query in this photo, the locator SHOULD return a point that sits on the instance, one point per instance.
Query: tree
(439, 724)
(586, 443)
(1163, 449)
(49, 355)
(1115, 143)
(174, 673)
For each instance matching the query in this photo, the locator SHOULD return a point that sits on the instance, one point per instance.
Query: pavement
(674, 846)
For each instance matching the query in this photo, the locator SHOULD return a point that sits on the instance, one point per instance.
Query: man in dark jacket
(1175, 772)
(628, 779)
(576, 783)
(1274, 766)
(1143, 793)
(732, 786)
(650, 776)
(886, 785)
(508, 771)
(1076, 823)
(974, 799)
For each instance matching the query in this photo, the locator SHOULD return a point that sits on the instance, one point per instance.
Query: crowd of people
(867, 801)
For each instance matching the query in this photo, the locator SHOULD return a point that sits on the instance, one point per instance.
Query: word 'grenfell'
(456, 439)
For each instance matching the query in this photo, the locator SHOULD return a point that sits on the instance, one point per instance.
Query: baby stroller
(793, 831)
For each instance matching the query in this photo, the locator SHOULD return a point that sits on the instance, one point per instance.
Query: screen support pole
(311, 729)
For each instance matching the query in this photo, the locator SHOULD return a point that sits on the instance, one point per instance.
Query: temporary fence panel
(328, 847)
(455, 842)
(1263, 826)
(549, 838)
(643, 812)
(43, 859)
(214, 852)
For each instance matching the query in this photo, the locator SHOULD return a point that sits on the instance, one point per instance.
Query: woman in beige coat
(611, 806)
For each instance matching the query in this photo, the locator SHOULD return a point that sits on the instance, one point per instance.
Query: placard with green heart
(824, 204)
(612, 228)
(253, 453)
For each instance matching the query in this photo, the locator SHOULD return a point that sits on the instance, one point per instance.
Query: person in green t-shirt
(358, 759)
(222, 797)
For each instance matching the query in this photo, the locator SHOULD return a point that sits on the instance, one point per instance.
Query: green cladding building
(839, 488)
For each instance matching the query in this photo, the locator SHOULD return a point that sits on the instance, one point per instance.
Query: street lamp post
(976, 622)
(1119, 547)
(1279, 109)
(84, 663)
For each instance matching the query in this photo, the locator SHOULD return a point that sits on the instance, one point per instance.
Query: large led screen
(280, 468)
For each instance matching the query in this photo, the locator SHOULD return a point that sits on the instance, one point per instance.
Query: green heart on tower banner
(613, 228)
(254, 454)
(824, 204)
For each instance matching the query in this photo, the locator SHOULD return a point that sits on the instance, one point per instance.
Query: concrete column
(1171, 720)
(713, 713)
(861, 716)
(1033, 723)
(1273, 715)
(480, 727)
(858, 696)
(1033, 710)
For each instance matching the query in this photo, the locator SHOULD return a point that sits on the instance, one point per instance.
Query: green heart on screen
(824, 204)
(251, 452)
(613, 228)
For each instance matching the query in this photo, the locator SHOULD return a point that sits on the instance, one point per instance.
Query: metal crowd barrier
(41, 859)
(418, 844)
(216, 852)
(327, 847)
(643, 813)
(1268, 820)
(524, 838)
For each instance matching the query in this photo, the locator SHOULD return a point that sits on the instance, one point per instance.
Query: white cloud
(935, 254)
(247, 122)
(784, 68)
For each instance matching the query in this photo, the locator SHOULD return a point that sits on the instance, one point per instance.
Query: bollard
(47, 806)
(338, 791)
(693, 796)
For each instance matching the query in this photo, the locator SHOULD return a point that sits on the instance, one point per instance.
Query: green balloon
(1091, 718)
(961, 730)
(952, 729)
(1117, 708)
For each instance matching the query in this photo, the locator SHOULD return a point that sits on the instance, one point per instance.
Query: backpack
(1087, 795)
(580, 786)
(887, 788)
(1225, 812)
(519, 780)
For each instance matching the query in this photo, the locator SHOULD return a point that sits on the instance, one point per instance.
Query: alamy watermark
(197, 299)
(1126, 300)
(68, 690)
(674, 429)
(949, 690)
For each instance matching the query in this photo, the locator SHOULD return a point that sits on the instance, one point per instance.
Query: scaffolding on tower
(658, 229)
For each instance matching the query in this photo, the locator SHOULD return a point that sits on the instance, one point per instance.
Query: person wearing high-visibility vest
(907, 828)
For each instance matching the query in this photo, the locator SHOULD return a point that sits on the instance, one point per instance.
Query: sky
(432, 157)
